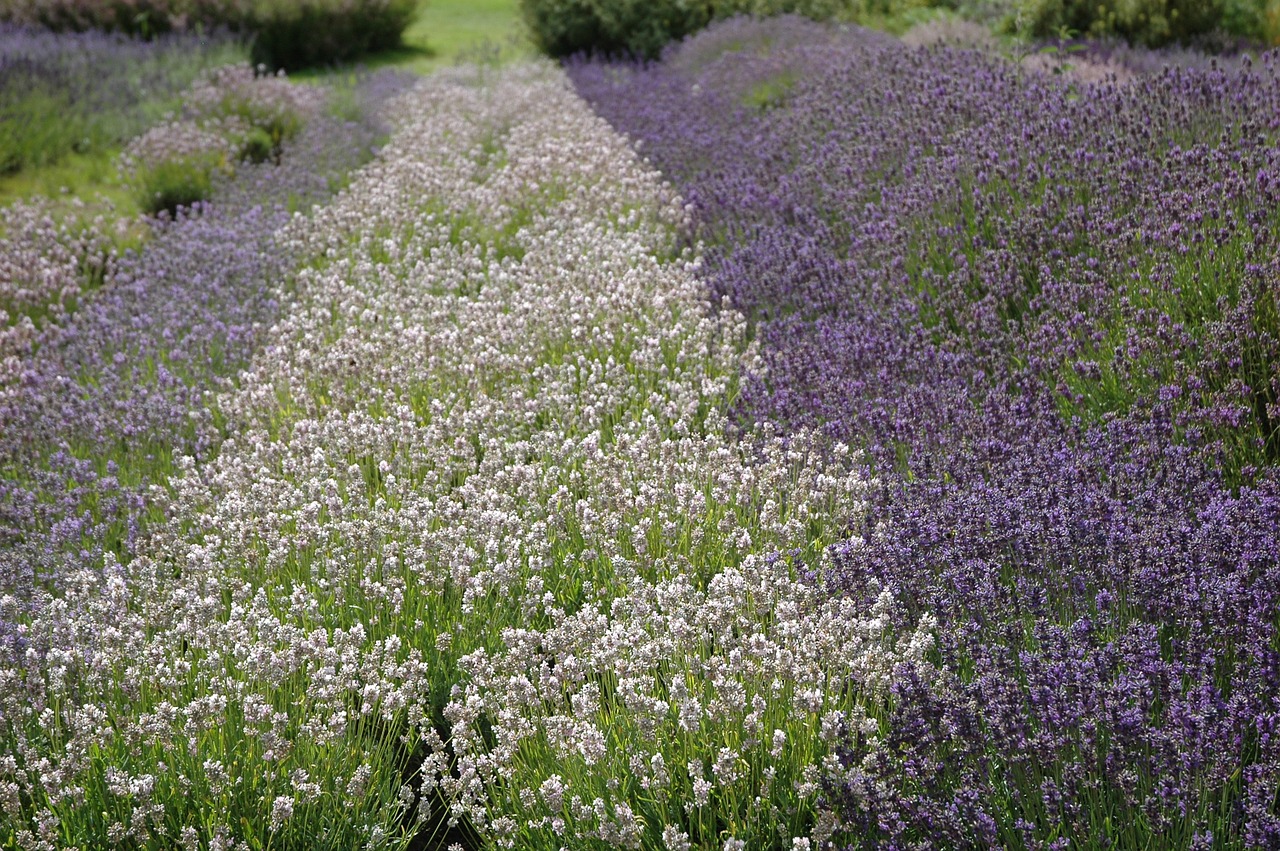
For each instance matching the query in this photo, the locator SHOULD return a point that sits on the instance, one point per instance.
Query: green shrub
(294, 34)
(1256, 19)
(169, 185)
(230, 115)
(144, 18)
(1147, 22)
(644, 27)
(174, 164)
(564, 27)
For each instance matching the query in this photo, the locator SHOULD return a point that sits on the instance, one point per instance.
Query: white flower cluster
(228, 114)
(480, 486)
(184, 140)
(686, 692)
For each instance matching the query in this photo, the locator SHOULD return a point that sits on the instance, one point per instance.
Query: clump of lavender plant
(1046, 308)
(951, 31)
(174, 164)
(267, 103)
(229, 115)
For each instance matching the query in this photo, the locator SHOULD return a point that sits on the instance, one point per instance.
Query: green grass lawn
(447, 30)
(450, 31)
(92, 178)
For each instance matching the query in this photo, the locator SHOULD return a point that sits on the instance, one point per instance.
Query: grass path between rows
(447, 30)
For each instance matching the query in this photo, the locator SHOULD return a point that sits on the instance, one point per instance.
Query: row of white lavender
(485, 560)
(94, 403)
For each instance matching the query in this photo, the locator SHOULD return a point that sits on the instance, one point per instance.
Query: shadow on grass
(403, 54)
(407, 56)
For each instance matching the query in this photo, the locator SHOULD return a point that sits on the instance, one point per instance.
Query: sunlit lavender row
(464, 548)
(1045, 305)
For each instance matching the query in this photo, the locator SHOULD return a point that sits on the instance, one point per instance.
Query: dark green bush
(644, 27)
(294, 34)
(1147, 22)
(564, 27)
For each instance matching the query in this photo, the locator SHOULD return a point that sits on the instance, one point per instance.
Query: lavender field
(811, 439)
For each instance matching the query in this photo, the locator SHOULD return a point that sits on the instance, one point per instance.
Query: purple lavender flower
(1047, 308)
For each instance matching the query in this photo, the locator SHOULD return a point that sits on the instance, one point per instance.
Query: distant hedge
(1149, 22)
(294, 34)
(287, 34)
(644, 27)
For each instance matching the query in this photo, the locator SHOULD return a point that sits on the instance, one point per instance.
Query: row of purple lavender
(1049, 312)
